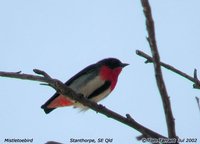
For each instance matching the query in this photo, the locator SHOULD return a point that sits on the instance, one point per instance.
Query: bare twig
(196, 80)
(53, 142)
(157, 68)
(40, 72)
(198, 102)
(63, 89)
(173, 69)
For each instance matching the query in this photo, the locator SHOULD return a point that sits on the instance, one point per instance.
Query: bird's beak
(124, 64)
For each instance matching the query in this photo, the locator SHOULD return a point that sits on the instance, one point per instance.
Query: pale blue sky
(62, 37)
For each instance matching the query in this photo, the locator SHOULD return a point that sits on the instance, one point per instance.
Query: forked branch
(157, 69)
(193, 79)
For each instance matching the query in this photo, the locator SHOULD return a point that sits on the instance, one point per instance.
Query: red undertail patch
(60, 101)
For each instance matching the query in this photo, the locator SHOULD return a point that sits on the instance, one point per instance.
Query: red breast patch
(110, 75)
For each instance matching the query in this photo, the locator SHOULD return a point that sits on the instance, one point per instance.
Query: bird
(95, 82)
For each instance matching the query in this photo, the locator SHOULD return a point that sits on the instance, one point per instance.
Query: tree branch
(173, 69)
(157, 68)
(52, 142)
(64, 90)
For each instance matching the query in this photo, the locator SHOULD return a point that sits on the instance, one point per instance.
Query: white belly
(95, 99)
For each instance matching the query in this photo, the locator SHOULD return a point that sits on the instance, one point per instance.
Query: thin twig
(196, 80)
(157, 68)
(63, 89)
(198, 102)
(53, 142)
(40, 72)
(173, 69)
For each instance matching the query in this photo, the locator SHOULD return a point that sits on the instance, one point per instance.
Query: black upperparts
(112, 63)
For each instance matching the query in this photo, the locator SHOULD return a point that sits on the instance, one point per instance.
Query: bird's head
(112, 63)
(110, 68)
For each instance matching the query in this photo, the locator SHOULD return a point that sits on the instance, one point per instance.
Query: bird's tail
(56, 101)
(46, 109)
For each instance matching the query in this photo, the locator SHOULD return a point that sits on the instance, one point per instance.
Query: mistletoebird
(95, 82)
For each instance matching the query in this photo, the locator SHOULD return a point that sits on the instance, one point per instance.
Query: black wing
(86, 70)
